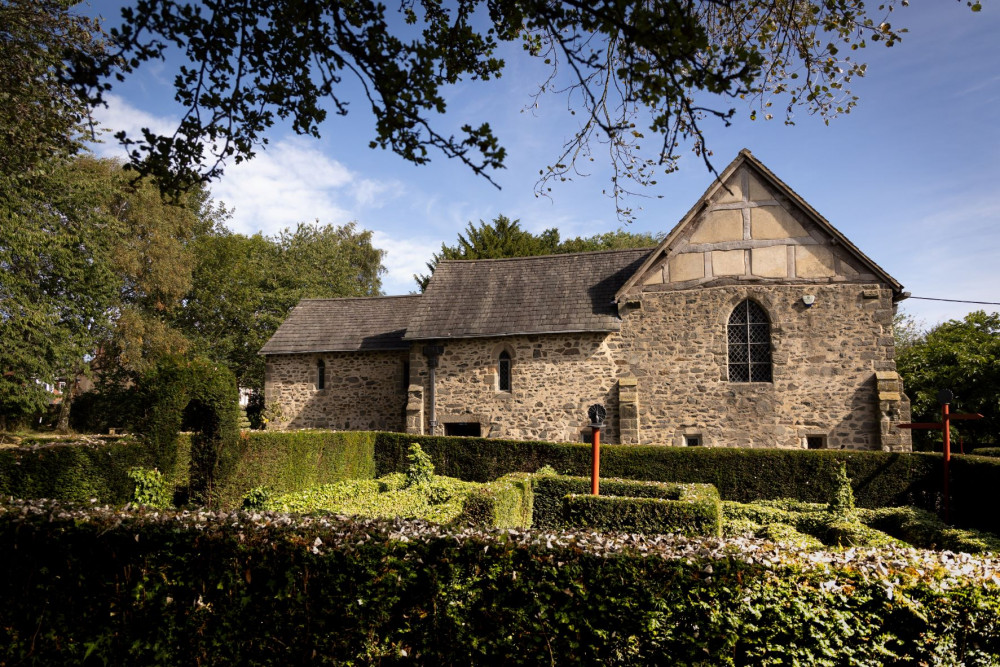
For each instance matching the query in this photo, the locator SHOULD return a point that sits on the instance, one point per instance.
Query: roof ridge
(358, 298)
(555, 254)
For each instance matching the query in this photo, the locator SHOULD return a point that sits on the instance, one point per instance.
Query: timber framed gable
(750, 227)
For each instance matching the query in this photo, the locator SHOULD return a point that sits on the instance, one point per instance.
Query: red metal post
(595, 473)
(946, 421)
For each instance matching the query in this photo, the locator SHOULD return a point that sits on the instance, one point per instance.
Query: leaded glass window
(503, 371)
(749, 335)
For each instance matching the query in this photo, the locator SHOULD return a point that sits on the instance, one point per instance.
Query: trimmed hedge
(131, 588)
(506, 503)
(626, 506)
(74, 471)
(286, 462)
(879, 479)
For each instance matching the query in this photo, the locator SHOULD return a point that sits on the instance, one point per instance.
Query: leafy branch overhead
(627, 68)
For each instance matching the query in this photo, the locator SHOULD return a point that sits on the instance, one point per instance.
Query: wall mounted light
(808, 299)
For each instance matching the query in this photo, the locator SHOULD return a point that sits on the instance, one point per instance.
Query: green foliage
(439, 499)
(73, 471)
(195, 390)
(625, 506)
(926, 531)
(808, 525)
(234, 590)
(150, 488)
(630, 65)
(504, 238)
(963, 356)
(243, 287)
(504, 503)
(419, 470)
(880, 479)
(257, 498)
(292, 461)
(992, 452)
(842, 499)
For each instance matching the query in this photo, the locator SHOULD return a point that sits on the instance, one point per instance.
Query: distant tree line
(962, 356)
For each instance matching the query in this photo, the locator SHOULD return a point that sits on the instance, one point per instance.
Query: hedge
(73, 471)
(285, 462)
(237, 589)
(626, 506)
(281, 462)
(506, 503)
(879, 479)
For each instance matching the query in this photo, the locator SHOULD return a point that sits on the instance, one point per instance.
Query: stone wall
(554, 379)
(825, 359)
(364, 390)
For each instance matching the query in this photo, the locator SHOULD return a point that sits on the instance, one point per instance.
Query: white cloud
(288, 182)
(403, 259)
(120, 115)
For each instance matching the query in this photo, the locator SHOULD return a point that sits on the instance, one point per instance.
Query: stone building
(755, 323)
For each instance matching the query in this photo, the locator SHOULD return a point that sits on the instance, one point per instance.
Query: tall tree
(629, 68)
(57, 281)
(504, 237)
(963, 356)
(243, 287)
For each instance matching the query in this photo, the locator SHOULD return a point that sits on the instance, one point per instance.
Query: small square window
(815, 442)
(692, 440)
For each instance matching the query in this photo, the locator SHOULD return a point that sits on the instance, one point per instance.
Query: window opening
(815, 442)
(692, 440)
(321, 374)
(503, 371)
(749, 336)
(467, 429)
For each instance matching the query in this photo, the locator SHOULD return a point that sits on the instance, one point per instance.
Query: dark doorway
(467, 429)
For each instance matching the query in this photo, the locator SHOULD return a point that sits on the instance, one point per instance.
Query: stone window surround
(320, 374)
(766, 302)
(495, 353)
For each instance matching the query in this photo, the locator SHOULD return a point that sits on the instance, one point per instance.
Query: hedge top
(317, 533)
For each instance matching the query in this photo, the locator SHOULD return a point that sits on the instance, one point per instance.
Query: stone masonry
(641, 331)
(364, 391)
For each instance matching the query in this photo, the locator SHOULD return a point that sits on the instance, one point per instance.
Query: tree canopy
(963, 356)
(504, 237)
(628, 69)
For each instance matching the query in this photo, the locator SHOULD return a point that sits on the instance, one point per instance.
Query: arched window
(321, 374)
(749, 335)
(503, 371)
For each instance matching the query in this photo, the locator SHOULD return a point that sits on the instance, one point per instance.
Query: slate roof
(524, 295)
(344, 325)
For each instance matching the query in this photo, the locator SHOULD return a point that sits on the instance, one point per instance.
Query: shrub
(420, 469)
(74, 470)
(231, 589)
(505, 503)
(987, 451)
(257, 498)
(925, 530)
(150, 488)
(652, 507)
(291, 461)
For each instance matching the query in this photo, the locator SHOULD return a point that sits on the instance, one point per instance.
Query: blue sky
(911, 176)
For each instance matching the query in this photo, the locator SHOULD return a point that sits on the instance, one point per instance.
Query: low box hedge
(878, 479)
(562, 502)
(236, 589)
(504, 503)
